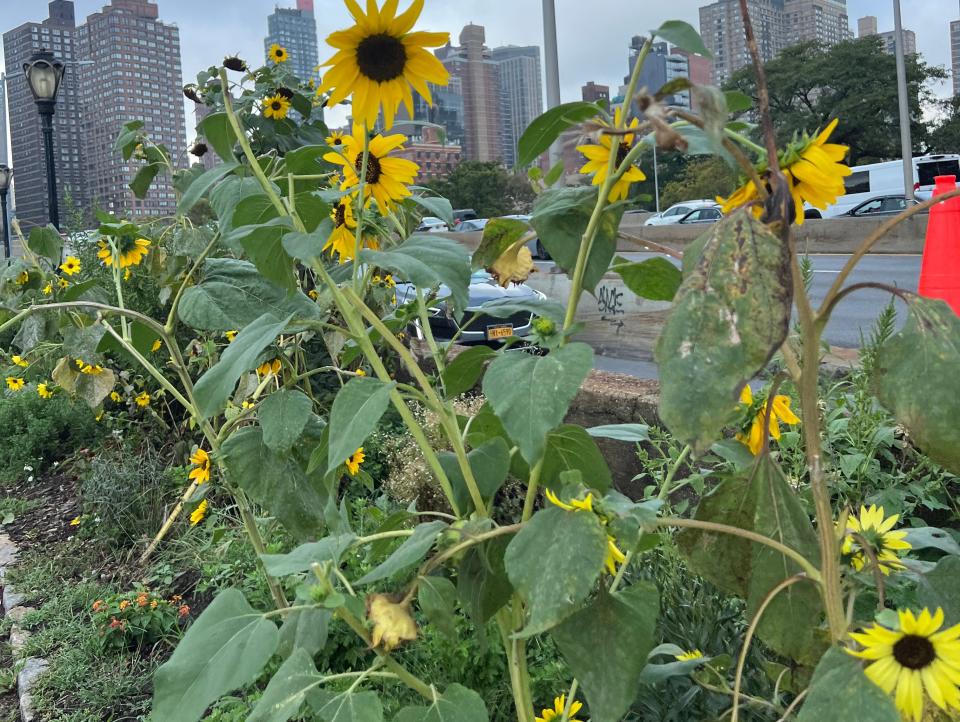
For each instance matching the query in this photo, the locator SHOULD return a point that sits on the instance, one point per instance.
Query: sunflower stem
(668, 481)
(358, 234)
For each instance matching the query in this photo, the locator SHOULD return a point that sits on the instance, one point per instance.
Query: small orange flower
(124, 604)
(98, 605)
(142, 600)
(184, 610)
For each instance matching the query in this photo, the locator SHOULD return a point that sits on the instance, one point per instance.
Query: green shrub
(138, 619)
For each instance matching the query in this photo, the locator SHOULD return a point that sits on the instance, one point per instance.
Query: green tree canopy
(855, 81)
(487, 188)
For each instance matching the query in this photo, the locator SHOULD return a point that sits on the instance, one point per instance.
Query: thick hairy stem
(532, 486)
(358, 236)
(668, 481)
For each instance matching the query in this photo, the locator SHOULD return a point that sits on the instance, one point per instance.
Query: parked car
(475, 326)
(703, 215)
(537, 250)
(430, 224)
(462, 214)
(475, 224)
(674, 213)
(880, 206)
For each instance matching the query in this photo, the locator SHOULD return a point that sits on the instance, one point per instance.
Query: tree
(702, 177)
(945, 137)
(855, 81)
(487, 188)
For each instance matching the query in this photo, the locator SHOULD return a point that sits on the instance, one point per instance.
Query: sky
(593, 35)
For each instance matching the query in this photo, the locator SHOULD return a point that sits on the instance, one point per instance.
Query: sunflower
(131, 252)
(335, 138)
(781, 411)
(115, 397)
(89, 369)
(15, 383)
(70, 265)
(354, 460)
(278, 53)
(199, 513)
(22, 278)
(19, 361)
(814, 171)
(342, 240)
(230, 335)
(877, 532)
(378, 60)
(556, 712)
(386, 176)
(48, 289)
(155, 346)
(269, 367)
(201, 460)
(914, 659)
(63, 282)
(690, 656)
(598, 160)
(43, 390)
(143, 399)
(276, 107)
(614, 555)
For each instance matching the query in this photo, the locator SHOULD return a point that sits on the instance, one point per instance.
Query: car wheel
(542, 252)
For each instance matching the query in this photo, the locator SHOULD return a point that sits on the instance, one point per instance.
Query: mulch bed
(56, 503)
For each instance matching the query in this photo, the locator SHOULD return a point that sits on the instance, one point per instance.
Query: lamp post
(906, 147)
(5, 174)
(44, 74)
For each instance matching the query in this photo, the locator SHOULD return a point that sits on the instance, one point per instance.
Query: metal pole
(906, 146)
(656, 179)
(46, 115)
(6, 229)
(552, 66)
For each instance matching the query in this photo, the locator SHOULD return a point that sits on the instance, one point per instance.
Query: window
(928, 171)
(858, 182)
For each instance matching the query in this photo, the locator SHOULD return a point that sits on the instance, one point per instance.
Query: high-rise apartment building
(58, 34)
(955, 55)
(661, 66)
(822, 20)
(296, 30)
(592, 93)
(868, 26)
(4, 153)
(446, 111)
(134, 75)
(521, 94)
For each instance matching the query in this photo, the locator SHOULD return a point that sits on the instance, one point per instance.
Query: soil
(56, 502)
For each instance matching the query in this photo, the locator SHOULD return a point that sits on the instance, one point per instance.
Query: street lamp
(5, 174)
(44, 75)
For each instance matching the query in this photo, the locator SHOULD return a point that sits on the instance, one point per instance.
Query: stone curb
(32, 667)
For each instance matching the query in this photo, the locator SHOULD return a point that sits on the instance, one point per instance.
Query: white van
(878, 179)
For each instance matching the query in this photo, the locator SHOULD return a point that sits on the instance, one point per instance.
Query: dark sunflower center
(622, 151)
(914, 652)
(276, 105)
(373, 168)
(341, 215)
(381, 57)
(337, 141)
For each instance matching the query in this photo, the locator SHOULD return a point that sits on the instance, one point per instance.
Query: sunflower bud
(199, 149)
(235, 63)
(285, 92)
(191, 92)
(544, 326)
(392, 623)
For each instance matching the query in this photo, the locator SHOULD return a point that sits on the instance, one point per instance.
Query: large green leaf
(46, 241)
(569, 447)
(482, 583)
(490, 463)
(306, 630)
(308, 247)
(226, 196)
(140, 184)
(277, 482)
(348, 707)
(560, 217)
(553, 563)
(728, 318)
(546, 307)
(916, 378)
(214, 388)
(456, 704)
(841, 692)
(413, 549)
(438, 597)
(330, 548)
(622, 625)
(681, 34)
(283, 415)
(354, 415)
(427, 261)
(621, 432)
(219, 133)
(531, 394)
(225, 648)
(437, 207)
(465, 370)
(654, 278)
(263, 244)
(498, 235)
(204, 183)
(940, 587)
(545, 129)
(287, 690)
(231, 294)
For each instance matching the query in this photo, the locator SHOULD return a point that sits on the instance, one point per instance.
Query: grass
(11, 507)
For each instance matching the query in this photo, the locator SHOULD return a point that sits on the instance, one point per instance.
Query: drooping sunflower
(878, 532)
(43, 390)
(342, 240)
(614, 555)
(813, 168)
(548, 714)
(276, 107)
(230, 335)
(70, 265)
(914, 661)
(781, 411)
(269, 367)
(201, 471)
(380, 62)
(278, 53)
(130, 251)
(598, 160)
(386, 178)
(197, 515)
(354, 460)
(689, 656)
(19, 361)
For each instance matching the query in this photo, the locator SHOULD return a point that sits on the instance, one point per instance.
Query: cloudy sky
(592, 35)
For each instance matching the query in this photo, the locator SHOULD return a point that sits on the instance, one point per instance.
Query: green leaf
(490, 464)
(569, 447)
(204, 183)
(308, 247)
(350, 707)
(621, 432)
(916, 378)
(46, 242)
(232, 294)
(277, 482)
(140, 184)
(545, 307)
(940, 587)
(413, 549)
(545, 129)
(283, 415)
(681, 34)
(629, 520)
(531, 394)
(263, 244)
(437, 207)
(226, 196)
(287, 690)
(225, 648)
(438, 597)
(354, 415)
(463, 373)
(482, 583)
(219, 133)
(655, 278)
(427, 261)
(930, 537)
(553, 563)
(728, 318)
(93, 388)
(560, 217)
(456, 704)
(622, 625)
(304, 631)
(654, 673)
(214, 388)
(841, 692)
(499, 234)
(737, 101)
(554, 174)
(330, 548)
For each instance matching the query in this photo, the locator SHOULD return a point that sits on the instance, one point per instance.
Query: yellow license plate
(504, 331)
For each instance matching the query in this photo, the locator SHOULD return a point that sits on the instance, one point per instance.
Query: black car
(880, 206)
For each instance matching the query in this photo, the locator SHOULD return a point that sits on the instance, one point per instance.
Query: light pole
(552, 66)
(44, 75)
(5, 174)
(905, 144)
